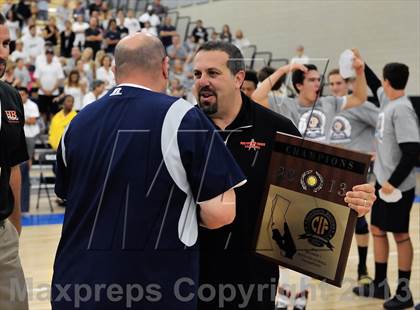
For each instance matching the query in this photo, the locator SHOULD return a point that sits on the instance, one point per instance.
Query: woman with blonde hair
(75, 87)
(9, 75)
(88, 63)
(104, 72)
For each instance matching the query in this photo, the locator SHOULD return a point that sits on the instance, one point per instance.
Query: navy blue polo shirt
(128, 165)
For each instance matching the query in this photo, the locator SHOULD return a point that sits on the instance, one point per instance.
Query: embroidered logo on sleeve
(11, 116)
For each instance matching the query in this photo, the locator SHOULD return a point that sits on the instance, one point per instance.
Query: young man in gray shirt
(398, 148)
(354, 129)
(307, 82)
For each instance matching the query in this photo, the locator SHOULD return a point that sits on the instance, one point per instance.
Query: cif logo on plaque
(320, 228)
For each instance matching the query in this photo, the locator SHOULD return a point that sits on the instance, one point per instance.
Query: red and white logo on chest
(254, 145)
(11, 115)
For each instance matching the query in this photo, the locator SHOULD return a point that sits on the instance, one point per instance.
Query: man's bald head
(139, 53)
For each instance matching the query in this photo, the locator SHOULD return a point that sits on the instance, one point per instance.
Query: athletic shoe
(397, 302)
(417, 307)
(283, 299)
(363, 279)
(373, 290)
(301, 300)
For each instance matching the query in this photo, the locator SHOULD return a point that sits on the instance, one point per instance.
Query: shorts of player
(392, 217)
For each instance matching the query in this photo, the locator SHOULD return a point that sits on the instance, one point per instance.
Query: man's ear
(114, 70)
(165, 67)
(239, 79)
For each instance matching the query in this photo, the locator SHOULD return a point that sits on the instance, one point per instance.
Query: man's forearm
(359, 95)
(15, 185)
(373, 82)
(260, 95)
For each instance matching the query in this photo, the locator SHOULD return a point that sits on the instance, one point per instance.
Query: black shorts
(46, 105)
(392, 217)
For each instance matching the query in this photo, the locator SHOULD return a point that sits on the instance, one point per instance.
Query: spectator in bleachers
(98, 90)
(177, 50)
(49, 78)
(14, 29)
(149, 29)
(22, 73)
(33, 45)
(151, 17)
(178, 72)
(122, 29)
(79, 27)
(131, 22)
(31, 129)
(199, 32)
(60, 121)
(167, 31)
(42, 6)
(96, 6)
(176, 89)
(82, 74)
(112, 36)
(71, 62)
(26, 27)
(41, 59)
(104, 72)
(93, 36)
(79, 10)
(88, 63)
(214, 37)
(6, 7)
(67, 39)
(76, 88)
(105, 7)
(63, 14)
(240, 41)
(158, 8)
(9, 75)
(18, 52)
(120, 17)
(226, 35)
(23, 11)
(250, 83)
(51, 32)
(98, 60)
(191, 45)
(104, 19)
(300, 57)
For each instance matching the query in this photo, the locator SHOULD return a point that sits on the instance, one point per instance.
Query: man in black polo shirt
(93, 36)
(12, 153)
(238, 278)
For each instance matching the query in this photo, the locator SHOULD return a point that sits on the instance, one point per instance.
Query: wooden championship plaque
(304, 223)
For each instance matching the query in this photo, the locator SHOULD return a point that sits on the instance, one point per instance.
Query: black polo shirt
(228, 254)
(95, 45)
(12, 143)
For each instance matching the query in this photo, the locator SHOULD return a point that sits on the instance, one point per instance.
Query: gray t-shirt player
(397, 123)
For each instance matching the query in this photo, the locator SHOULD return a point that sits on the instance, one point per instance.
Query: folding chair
(46, 159)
